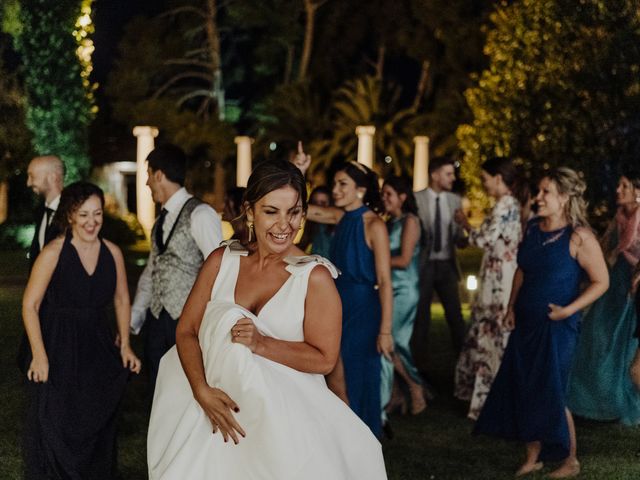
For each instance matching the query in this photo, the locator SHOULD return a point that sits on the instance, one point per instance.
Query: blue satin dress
(528, 398)
(405, 304)
(361, 316)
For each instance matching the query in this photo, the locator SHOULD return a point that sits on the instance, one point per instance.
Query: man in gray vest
(439, 270)
(184, 234)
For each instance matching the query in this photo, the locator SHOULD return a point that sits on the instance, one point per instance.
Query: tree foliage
(59, 108)
(562, 88)
(142, 92)
(400, 65)
(368, 101)
(14, 135)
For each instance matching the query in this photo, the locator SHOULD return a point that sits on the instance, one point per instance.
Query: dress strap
(300, 264)
(225, 285)
(234, 247)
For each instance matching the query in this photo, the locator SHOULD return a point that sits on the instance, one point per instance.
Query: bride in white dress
(243, 395)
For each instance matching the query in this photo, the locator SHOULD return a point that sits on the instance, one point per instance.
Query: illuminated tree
(53, 40)
(562, 88)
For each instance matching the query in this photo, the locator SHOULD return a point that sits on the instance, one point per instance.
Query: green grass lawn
(434, 445)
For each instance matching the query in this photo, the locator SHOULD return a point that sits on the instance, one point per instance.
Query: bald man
(45, 177)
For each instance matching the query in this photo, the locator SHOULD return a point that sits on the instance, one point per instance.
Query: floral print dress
(499, 236)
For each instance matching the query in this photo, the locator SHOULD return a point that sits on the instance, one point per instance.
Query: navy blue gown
(70, 432)
(528, 398)
(361, 316)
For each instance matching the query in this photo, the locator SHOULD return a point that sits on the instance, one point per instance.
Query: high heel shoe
(418, 403)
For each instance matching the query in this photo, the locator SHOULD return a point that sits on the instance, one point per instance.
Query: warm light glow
(85, 20)
(84, 28)
(472, 283)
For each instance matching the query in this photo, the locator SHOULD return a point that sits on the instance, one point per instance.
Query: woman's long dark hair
(401, 185)
(511, 176)
(365, 178)
(72, 198)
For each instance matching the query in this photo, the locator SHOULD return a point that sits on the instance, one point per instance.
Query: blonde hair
(569, 183)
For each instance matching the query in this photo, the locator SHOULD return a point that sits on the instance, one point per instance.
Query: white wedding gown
(296, 427)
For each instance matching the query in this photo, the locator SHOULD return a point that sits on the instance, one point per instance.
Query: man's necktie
(159, 231)
(437, 228)
(48, 212)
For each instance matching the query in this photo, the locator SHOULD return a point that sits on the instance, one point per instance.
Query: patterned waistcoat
(175, 269)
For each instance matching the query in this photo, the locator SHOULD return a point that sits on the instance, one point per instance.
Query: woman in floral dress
(499, 236)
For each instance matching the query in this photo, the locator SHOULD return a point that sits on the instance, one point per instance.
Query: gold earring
(250, 227)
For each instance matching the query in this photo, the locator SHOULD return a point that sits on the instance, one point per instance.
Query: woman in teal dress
(600, 387)
(404, 240)
(527, 401)
(360, 250)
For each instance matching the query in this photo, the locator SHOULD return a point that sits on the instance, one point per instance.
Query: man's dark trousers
(160, 337)
(442, 277)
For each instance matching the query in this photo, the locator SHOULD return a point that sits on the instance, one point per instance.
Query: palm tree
(368, 101)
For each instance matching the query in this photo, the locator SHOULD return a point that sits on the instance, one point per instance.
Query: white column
(365, 135)
(421, 163)
(243, 160)
(146, 210)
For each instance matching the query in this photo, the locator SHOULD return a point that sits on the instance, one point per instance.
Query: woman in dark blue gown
(77, 374)
(527, 401)
(360, 250)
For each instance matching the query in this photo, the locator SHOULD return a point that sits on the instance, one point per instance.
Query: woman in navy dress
(527, 401)
(360, 250)
(77, 374)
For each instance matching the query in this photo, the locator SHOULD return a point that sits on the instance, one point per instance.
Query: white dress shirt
(43, 223)
(445, 223)
(206, 230)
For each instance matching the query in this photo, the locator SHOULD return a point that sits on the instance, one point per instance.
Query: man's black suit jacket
(52, 232)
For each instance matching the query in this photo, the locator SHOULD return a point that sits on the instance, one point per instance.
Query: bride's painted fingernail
(236, 410)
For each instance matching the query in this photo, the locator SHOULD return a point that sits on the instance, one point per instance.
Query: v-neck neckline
(90, 275)
(266, 304)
